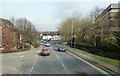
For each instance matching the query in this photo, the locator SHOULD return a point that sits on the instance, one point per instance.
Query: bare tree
(27, 30)
(83, 28)
(95, 12)
(94, 15)
(12, 20)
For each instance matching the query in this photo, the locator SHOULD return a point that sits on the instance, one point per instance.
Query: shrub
(27, 45)
(35, 44)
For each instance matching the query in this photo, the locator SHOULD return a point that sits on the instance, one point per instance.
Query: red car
(45, 51)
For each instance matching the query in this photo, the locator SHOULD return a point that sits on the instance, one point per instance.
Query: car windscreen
(62, 47)
(47, 43)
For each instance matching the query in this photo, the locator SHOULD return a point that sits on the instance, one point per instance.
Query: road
(30, 62)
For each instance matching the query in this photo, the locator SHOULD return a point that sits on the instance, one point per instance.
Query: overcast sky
(47, 15)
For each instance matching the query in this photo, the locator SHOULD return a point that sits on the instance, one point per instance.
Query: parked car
(45, 51)
(47, 44)
(61, 48)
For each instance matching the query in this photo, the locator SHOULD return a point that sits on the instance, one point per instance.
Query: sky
(46, 15)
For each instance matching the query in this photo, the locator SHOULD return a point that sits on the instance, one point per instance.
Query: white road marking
(22, 56)
(88, 63)
(36, 55)
(33, 66)
(60, 61)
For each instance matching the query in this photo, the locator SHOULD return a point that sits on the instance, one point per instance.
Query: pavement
(30, 62)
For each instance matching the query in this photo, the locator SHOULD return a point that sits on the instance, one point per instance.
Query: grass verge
(113, 62)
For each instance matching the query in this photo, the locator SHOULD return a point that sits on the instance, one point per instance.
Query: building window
(115, 10)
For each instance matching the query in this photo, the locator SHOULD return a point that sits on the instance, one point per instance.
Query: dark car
(45, 51)
(61, 48)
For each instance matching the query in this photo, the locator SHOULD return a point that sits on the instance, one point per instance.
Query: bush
(111, 52)
(19, 46)
(27, 45)
(106, 47)
(35, 44)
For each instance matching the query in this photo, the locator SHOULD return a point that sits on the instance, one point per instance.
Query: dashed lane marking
(60, 61)
(22, 56)
(33, 65)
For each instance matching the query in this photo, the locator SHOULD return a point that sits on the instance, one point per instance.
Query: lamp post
(71, 32)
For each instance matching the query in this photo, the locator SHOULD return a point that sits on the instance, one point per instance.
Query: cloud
(59, 1)
(47, 15)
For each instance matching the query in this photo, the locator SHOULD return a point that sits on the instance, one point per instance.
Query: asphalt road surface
(30, 62)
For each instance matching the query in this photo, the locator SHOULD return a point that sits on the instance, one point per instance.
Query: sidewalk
(99, 63)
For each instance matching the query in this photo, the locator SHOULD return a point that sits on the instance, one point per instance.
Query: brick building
(0, 36)
(8, 35)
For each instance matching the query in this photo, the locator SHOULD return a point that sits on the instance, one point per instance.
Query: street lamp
(73, 35)
(71, 31)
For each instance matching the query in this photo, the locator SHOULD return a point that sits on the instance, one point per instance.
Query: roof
(111, 6)
(8, 24)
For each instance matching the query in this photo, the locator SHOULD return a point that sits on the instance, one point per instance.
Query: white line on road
(60, 61)
(36, 55)
(33, 66)
(22, 56)
(88, 63)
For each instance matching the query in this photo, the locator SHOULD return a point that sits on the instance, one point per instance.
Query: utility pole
(119, 46)
(72, 32)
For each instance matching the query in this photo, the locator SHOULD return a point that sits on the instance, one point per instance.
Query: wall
(0, 36)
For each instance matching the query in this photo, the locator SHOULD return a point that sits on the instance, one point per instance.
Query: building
(0, 36)
(8, 35)
(108, 21)
(54, 35)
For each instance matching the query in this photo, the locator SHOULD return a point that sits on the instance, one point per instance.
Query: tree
(70, 25)
(95, 12)
(12, 20)
(96, 22)
(27, 30)
(65, 28)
